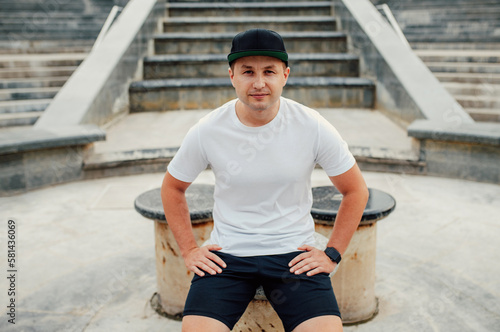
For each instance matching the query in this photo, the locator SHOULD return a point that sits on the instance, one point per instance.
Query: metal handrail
(392, 21)
(113, 14)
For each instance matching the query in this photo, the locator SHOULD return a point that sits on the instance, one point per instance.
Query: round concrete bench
(354, 282)
(173, 278)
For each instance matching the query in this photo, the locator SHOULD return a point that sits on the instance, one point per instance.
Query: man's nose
(259, 82)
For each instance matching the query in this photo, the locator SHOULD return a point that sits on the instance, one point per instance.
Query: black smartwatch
(333, 254)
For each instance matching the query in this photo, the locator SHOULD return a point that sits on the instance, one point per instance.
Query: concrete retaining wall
(35, 158)
(465, 151)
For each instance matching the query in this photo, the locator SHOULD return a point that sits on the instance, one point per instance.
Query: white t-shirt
(263, 175)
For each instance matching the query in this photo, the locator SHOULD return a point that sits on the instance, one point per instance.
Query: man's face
(259, 81)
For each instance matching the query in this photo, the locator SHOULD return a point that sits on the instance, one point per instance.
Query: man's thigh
(223, 297)
(321, 323)
(297, 298)
(194, 323)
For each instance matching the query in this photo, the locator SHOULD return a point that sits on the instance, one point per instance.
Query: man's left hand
(312, 261)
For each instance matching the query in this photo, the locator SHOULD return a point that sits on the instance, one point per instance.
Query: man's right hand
(201, 260)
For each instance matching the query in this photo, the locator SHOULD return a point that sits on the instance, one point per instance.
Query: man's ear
(231, 75)
(286, 73)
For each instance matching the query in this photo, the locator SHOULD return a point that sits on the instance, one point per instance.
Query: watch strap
(333, 254)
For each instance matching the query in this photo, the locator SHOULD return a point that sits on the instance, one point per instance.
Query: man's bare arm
(176, 210)
(355, 195)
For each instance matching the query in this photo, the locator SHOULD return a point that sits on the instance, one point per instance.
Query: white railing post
(113, 14)
(392, 21)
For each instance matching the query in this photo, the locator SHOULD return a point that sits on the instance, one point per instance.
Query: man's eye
(248, 72)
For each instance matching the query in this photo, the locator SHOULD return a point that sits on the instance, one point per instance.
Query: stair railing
(387, 12)
(113, 14)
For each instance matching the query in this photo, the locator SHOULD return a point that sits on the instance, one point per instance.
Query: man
(262, 148)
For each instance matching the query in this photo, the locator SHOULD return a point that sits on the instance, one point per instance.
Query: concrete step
(148, 141)
(24, 106)
(52, 35)
(425, 18)
(451, 25)
(46, 8)
(89, 3)
(231, 1)
(471, 45)
(40, 17)
(411, 4)
(204, 93)
(27, 93)
(473, 89)
(41, 60)
(76, 6)
(37, 72)
(25, 46)
(18, 119)
(452, 12)
(217, 43)
(443, 38)
(469, 78)
(419, 35)
(216, 65)
(451, 7)
(20, 24)
(232, 24)
(464, 67)
(453, 29)
(17, 27)
(484, 114)
(478, 101)
(41, 82)
(206, 9)
(481, 56)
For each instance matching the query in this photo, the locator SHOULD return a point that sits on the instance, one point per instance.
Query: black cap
(258, 42)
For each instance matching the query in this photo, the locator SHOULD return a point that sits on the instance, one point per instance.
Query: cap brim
(275, 54)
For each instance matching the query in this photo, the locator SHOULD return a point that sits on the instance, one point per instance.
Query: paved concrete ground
(368, 132)
(86, 257)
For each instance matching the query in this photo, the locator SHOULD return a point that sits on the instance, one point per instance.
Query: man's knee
(328, 323)
(193, 323)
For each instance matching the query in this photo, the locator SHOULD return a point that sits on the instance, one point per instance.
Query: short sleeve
(190, 159)
(333, 154)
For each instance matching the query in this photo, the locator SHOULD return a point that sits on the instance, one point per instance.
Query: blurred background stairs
(187, 77)
(41, 44)
(189, 68)
(459, 40)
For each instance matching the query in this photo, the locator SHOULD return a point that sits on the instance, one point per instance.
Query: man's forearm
(199, 260)
(178, 217)
(346, 222)
(355, 196)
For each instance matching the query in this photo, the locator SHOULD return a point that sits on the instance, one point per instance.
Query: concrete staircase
(459, 40)
(41, 44)
(28, 82)
(471, 76)
(187, 77)
(189, 68)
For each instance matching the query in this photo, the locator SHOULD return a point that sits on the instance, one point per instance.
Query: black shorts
(296, 298)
